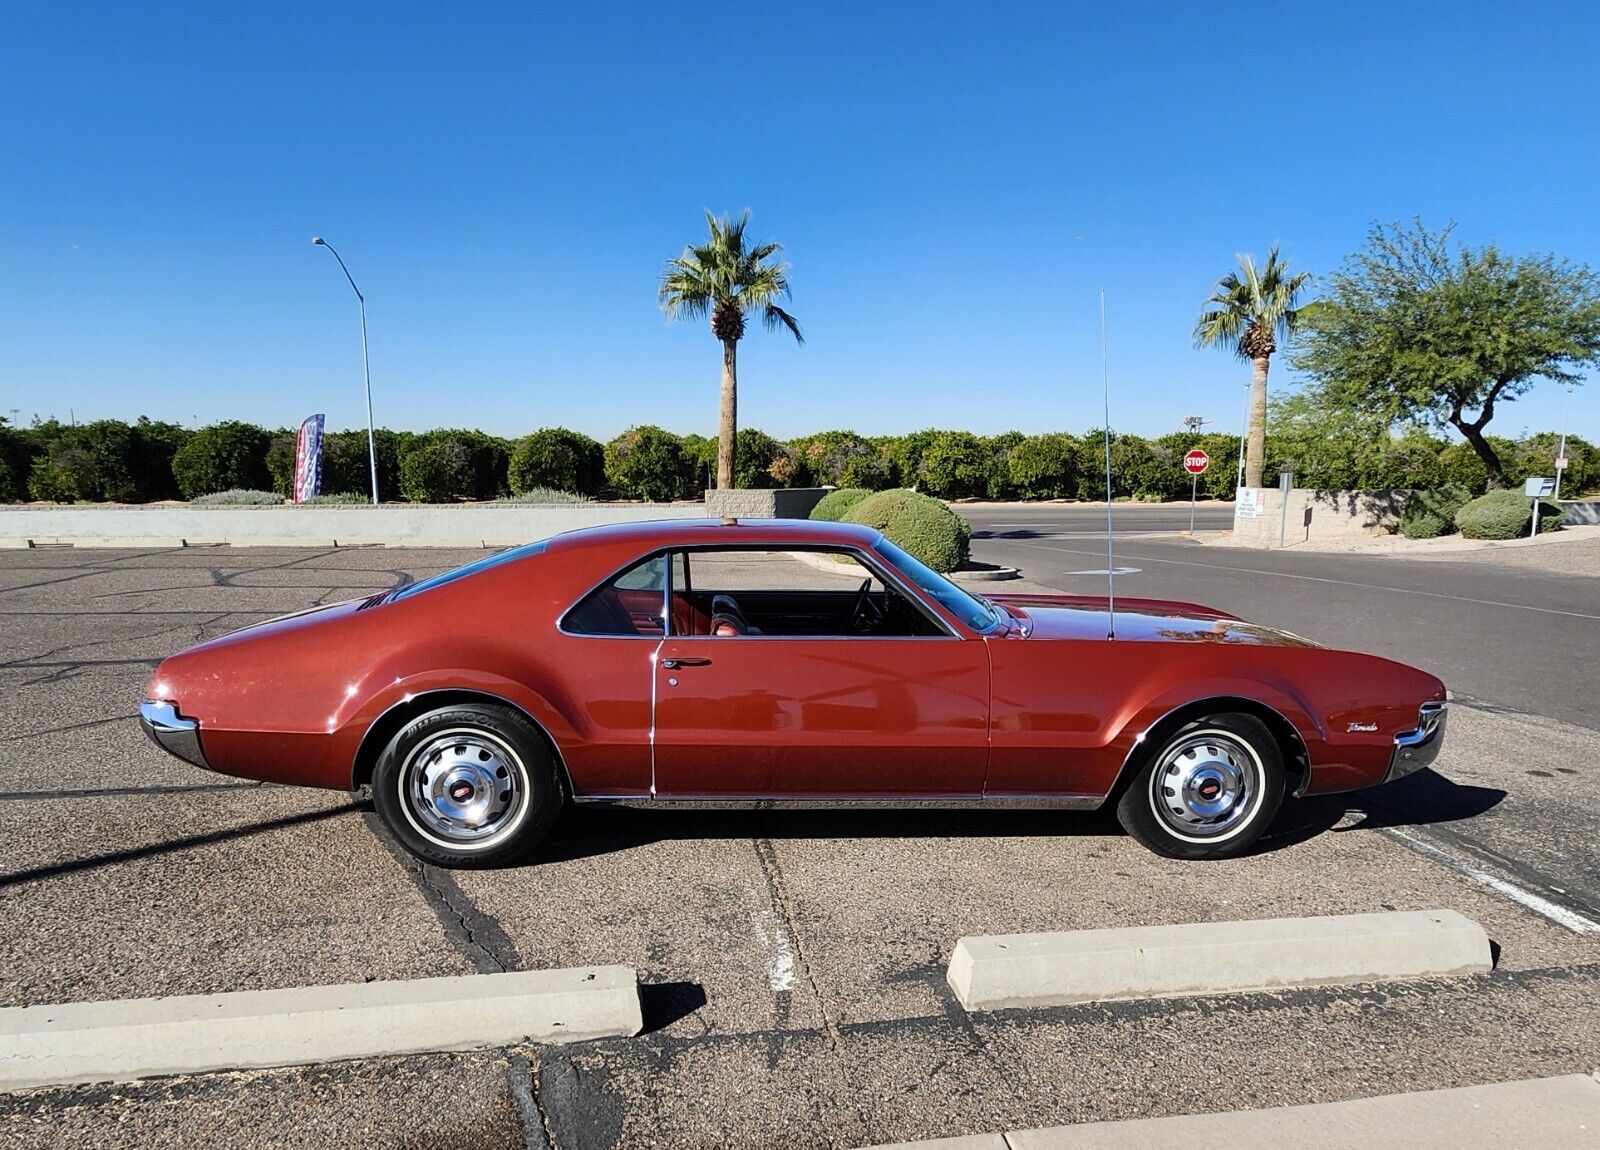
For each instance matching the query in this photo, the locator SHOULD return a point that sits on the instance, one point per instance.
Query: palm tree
(726, 280)
(1249, 311)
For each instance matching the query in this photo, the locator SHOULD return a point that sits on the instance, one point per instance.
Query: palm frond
(722, 272)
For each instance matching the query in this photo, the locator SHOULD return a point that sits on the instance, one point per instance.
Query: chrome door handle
(674, 664)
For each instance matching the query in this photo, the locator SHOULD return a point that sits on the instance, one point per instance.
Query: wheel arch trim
(395, 716)
(1297, 756)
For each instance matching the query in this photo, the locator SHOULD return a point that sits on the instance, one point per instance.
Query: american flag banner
(308, 459)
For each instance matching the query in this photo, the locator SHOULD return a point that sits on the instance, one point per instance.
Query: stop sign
(1196, 462)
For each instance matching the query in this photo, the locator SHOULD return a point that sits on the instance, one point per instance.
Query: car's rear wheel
(1208, 791)
(468, 786)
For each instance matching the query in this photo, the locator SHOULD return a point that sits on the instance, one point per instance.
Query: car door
(818, 716)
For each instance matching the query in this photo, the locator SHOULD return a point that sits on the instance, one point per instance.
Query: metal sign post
(1537, 488)
(1285, 483)
(1195, 463)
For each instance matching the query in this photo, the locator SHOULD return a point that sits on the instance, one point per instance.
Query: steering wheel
(864, 615)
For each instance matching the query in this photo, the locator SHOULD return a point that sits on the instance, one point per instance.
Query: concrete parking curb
(998, 972)
(1535, 1114)
(140, 1038)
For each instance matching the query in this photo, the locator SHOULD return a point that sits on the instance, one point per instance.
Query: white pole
(366, 366)
(1111, 567)
(1561, 452)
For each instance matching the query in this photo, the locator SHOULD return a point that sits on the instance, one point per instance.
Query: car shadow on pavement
(1418, 800)
(112, 858)
(587, 833)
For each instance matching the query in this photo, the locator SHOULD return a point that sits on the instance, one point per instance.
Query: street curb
(999, 972)
(1532, 1114)
(139, 1038)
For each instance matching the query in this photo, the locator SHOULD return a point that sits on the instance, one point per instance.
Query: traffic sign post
(1195, 463)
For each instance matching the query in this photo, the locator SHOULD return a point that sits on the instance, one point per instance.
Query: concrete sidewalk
(1537, 1114)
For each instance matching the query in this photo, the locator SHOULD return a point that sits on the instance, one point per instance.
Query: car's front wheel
(1208, 791)
(468, 786)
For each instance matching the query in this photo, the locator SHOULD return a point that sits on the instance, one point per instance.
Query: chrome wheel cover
(1206, 786)
(465, 789)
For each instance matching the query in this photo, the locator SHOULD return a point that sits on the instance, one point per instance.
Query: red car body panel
(1050, 708)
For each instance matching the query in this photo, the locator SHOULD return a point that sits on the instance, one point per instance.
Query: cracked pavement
(792, 963)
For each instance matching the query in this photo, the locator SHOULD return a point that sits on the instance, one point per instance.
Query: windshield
(472, 568)
(974, 612)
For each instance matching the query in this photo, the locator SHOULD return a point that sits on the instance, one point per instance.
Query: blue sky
(953, 184)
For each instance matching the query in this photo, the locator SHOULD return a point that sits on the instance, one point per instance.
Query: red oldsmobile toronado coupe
(721, 662)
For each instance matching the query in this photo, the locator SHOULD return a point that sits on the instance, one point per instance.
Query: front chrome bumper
(171, 732)
(1414, 750)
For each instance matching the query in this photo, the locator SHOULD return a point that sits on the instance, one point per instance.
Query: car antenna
(1111, 567)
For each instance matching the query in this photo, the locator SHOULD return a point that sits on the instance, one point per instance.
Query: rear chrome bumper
(171, 732)
(1414, 750)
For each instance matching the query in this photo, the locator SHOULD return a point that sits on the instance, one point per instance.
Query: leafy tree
(556, 458)
(649, 463)
(1249, 312)
(1415, 331)
(726, 280)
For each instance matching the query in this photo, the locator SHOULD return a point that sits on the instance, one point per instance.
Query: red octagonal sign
(1196, 462)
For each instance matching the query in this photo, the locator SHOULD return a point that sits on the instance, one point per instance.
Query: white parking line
(774, 938)
(1543, 907)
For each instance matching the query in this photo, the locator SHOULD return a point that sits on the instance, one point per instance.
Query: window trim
(869, 559)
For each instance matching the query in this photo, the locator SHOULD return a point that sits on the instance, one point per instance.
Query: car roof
(716, 533)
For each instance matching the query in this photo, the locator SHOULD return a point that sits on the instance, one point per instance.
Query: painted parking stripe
(1560, 915)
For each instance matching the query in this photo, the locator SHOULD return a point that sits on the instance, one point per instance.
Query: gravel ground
(793, 963)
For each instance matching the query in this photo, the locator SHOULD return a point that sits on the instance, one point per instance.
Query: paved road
(1515, 790)
(793, 964)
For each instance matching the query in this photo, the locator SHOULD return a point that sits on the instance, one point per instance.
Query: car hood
(1148, 620)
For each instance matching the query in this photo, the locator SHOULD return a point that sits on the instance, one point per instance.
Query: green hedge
(560, 460)
(145, 460)
(925, 527)
(838, 503)
(1505, 514)
(1432, 513)
(650, 463)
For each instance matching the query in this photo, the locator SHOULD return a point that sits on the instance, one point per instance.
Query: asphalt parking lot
(793, 962)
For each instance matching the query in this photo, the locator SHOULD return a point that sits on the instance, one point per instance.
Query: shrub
(555, 458)
(17, 449)
(843, 459)
(649, 463)
(1432, 513)
(340, 499)
(905, 453)
(954, 465)
(543, 495)
(438, 472)
(221, 457)
(104, 460)
(925, 527)
(238, 497)
(1000, 447)
(837, 504)
(1505, 514)
(1045, 466)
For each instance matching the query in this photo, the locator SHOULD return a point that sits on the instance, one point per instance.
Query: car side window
(822, 593)
(630, 605)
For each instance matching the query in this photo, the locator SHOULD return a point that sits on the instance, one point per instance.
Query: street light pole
(366, 367)
(1561, 452)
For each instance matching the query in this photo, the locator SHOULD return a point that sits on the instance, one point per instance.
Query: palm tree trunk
(1256, 441)
(728, 417)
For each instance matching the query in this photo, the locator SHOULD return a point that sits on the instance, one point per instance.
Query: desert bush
(538, 495)
(1432, 512)
(1505, 514)
(558, 459)
(650, 463)
(238, 497)
(838, 503)
(339, 499)
(222, 457)
(924, 526)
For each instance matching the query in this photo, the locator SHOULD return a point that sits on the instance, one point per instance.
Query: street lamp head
(318, 240)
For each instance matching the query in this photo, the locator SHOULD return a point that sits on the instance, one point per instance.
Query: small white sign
(1561, 463)
(1251, 502)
